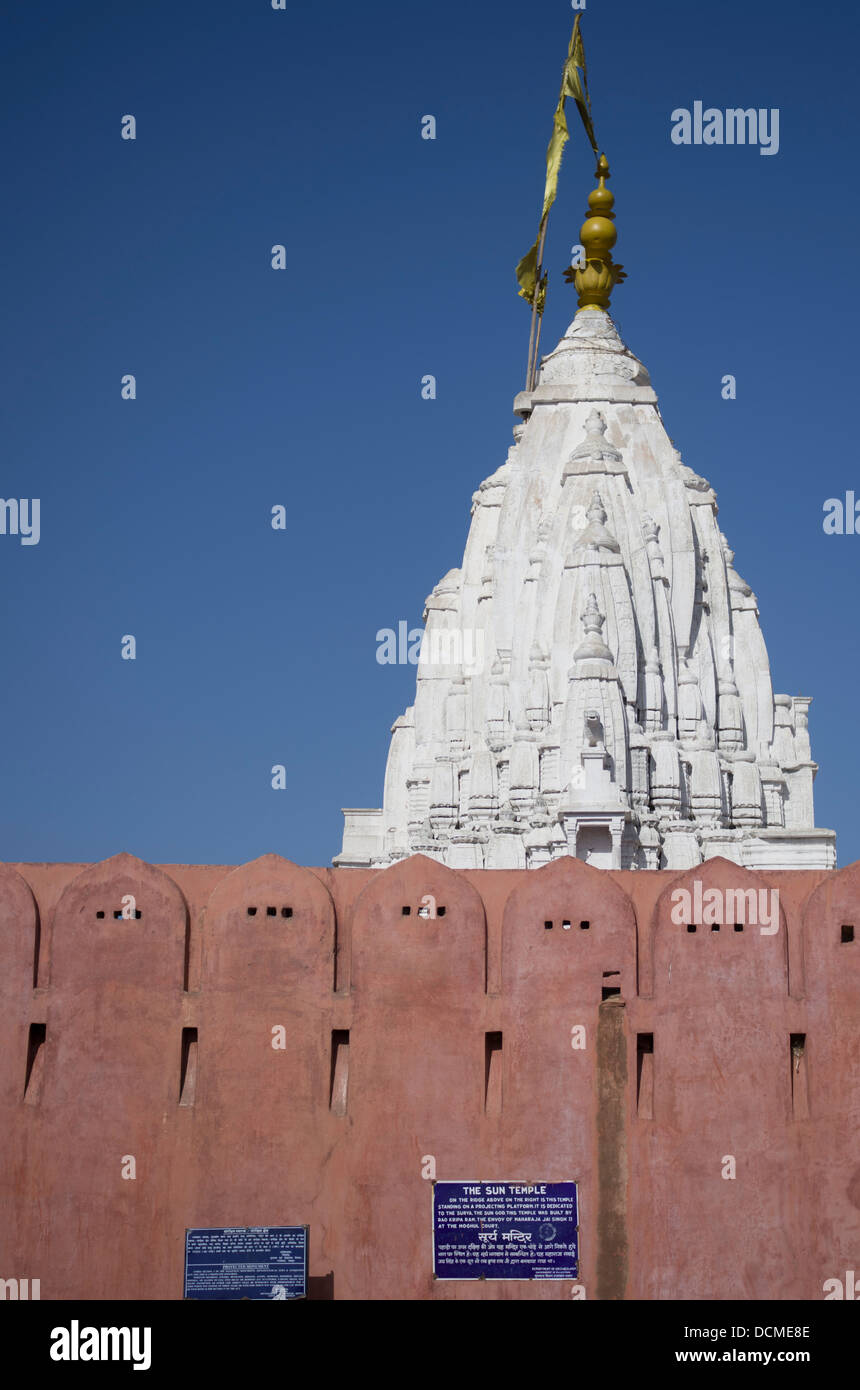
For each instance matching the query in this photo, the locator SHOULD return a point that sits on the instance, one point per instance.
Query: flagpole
(535, 305)
(534, 339)
(569, 87)
(537, 353)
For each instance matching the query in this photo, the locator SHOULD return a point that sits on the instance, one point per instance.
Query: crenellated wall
(615, 1046)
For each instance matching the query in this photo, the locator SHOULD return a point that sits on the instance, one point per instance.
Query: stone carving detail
(593, 729)
(595, 445)
(593, 648)
(595, 535)
(651, 532)
(595, 454)
(492, 490)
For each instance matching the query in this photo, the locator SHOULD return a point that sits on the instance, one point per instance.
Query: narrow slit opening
(492, 1073)
(35, 1061)
(339, 1085)
(645, 1075)
(799, 1077)
(188, 1067)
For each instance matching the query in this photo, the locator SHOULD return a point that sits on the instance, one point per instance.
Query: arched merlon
(568, 922)
(715, 898)
(830, 938)
(269, 925)
(419, 926)
(93, 943)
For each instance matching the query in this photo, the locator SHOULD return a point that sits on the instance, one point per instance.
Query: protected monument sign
(255, 1262)
(505, 1230)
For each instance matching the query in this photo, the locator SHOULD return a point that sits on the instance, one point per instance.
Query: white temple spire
(624, 711)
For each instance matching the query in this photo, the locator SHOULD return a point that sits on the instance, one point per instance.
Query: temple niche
(622, 711)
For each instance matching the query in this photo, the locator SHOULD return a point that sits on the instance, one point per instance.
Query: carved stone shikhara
(594, 521)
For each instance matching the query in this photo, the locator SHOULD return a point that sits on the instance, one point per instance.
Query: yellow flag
(572, 86)
(527, 274)
(575, 88)
(555, 150)
(527, 271)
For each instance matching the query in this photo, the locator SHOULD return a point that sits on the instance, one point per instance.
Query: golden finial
(595, 279)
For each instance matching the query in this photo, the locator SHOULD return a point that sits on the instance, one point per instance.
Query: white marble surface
(622, 709)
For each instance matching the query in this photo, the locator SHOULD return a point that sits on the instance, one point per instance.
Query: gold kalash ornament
(596, 279)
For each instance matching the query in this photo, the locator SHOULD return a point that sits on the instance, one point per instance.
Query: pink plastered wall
(646, 1061)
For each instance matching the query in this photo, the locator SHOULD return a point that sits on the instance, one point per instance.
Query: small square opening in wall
(691, 926)
(271, 912)
(440, 912)
(565, 926)
(252, 912)
(138, 914)
(406, 912)
(715, 926)
(739, 926)
(100, 914)
(585, 926)
(286, 912)
(547, 926)
(847, 933)
(609, 992)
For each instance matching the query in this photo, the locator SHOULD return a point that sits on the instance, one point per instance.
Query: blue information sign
(256, 1262)
(505, 1230)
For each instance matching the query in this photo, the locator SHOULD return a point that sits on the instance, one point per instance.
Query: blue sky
(302, 388)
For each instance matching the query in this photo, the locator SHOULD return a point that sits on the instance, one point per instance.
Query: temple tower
(594, 679)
